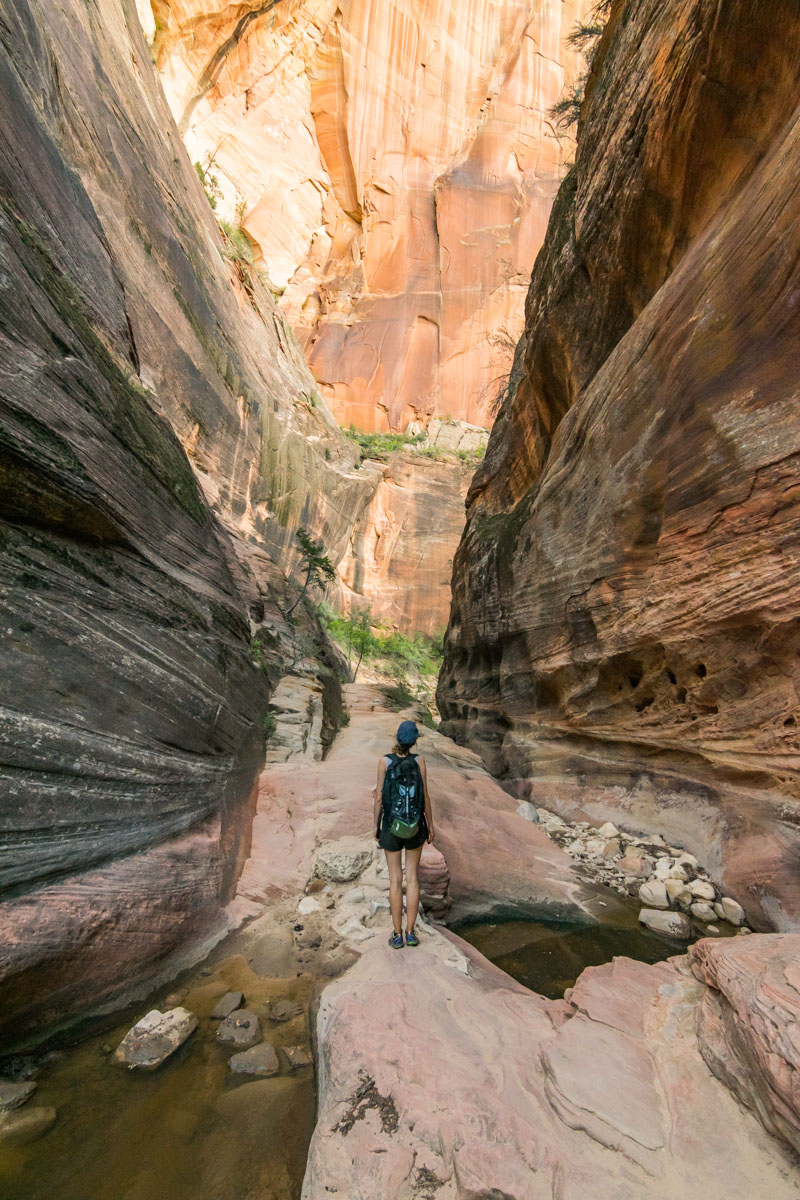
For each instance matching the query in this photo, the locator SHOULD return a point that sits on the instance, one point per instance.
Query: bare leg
(394, 861)
(412, 886)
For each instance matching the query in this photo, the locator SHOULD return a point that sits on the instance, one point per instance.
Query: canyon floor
(437, 1074)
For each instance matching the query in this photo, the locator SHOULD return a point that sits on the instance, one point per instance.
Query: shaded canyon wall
(395, 166)
(625, 638)
(159, 444)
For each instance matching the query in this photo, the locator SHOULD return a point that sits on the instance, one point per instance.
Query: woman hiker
(403, 820)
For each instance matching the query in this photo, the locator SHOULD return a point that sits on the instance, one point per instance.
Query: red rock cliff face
(625, 630)
(158, 446)
(396, 170)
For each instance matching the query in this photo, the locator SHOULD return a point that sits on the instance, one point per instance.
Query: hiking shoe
(396, 941)
(411, 938)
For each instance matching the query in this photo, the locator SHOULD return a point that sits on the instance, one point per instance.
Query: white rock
(308, 905)
(671, 923)
(343, 860)
(546, 815)
(654, 894)
(701, 889)
(663, 869)
(595, 847)
(609, 830)
(678, 871)
(713, 929)
(678, 892)
(575, 848)
(744, 929)
(731, 910)
(354, 895)
(688, 860)
(554, 825)
(528, 811)
(155, 1037)
(702, 910)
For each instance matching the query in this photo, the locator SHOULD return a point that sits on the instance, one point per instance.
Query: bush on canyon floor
(402, 657)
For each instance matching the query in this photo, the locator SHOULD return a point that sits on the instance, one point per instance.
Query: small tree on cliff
(360, 637)
(315, 562)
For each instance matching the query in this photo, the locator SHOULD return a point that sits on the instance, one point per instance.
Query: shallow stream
(548, 957)
(190, 1130)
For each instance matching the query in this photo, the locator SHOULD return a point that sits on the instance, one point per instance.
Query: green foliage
(314, 562)
(399, 695)
(270, 725)
(379, 445)
(472, 456)
(236, 243)
(584, 37)
(209, 180)
(566, 113)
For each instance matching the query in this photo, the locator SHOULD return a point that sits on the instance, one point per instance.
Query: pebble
(14, 1095)
(227, 1004)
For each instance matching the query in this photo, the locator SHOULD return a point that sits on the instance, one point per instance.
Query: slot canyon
(368, 361)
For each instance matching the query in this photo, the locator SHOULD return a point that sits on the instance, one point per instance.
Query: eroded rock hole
(701, 670)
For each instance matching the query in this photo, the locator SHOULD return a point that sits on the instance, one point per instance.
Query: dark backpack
(403, 795)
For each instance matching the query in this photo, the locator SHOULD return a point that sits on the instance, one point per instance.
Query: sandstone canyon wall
(625, 634)
(135, 361)
(395, 167)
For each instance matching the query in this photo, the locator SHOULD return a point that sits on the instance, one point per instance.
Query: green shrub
(236, 243)
(270, 725)
(378, 445)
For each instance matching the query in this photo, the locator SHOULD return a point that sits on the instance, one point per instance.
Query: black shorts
(388, 841)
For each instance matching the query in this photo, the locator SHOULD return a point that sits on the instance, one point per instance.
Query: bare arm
(377, 796)
(428, 809)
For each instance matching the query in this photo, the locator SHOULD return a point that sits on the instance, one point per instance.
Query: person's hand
(431, 833)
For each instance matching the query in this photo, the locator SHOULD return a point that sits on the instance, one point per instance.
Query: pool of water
(191, 1130)
(548, 957)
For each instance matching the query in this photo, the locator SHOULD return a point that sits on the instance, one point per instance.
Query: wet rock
(258, 1060)
(701, 889)
(343, 860)
(241, 1028)
(155, 1037)
(702, 910)
(297, 1057)
(654, 894)
(20, 1127)
(673, 924)
(227, 1004)
(284, 1010)
(14, 1095)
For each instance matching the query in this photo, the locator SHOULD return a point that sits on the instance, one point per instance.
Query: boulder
(702, 889)
(241, 1028)
(258, 1060)
(343, 860)
(673, 924)
(284, 1010)
(14, 1095)
(731, 910)
(18, 1128)
(227, 1004)
(612, 849)
(653, 894)
(155, 1037)
(637, 865)
(609, 830)
(702, 910)
(678, 892)
(528, 811)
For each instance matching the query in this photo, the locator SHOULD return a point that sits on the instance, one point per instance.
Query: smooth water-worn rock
(626, 612)
(396, 167)
(153, 1039)
(18, 1128)
(673, 924)
(749, 1026)
(14, 1095)
(258, 1060)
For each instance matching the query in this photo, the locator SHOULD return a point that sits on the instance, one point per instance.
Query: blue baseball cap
(407, 733)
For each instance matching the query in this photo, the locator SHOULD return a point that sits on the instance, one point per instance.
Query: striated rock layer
(393, 165)
(134, 361)
(606, 1094)
(625, 635)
